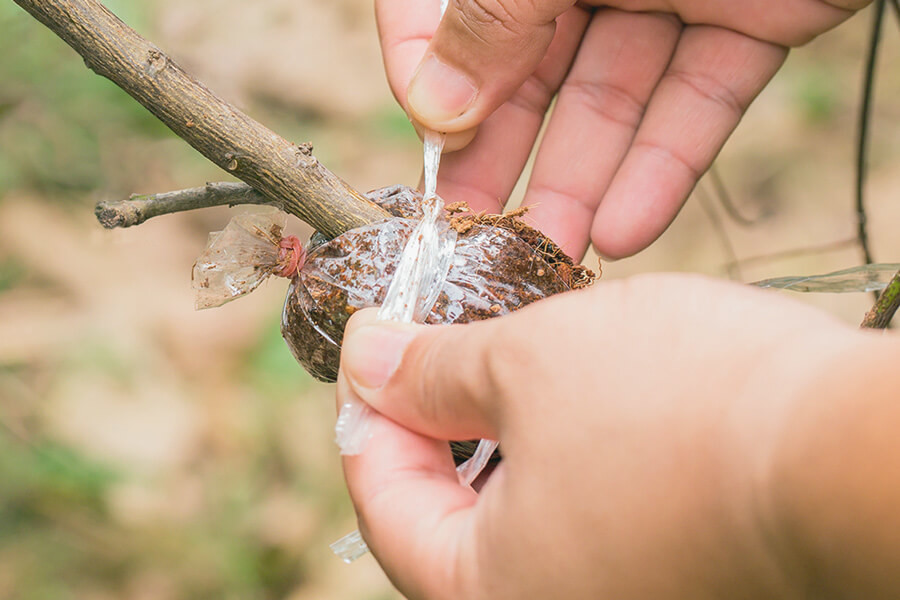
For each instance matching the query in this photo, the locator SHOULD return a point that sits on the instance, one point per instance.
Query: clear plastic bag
(419, 279)
(239, 258)
(421, 265)
(413, 290)
(481, 267)
(864, 278)
(493, 271)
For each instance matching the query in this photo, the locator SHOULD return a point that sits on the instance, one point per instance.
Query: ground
(151, 451)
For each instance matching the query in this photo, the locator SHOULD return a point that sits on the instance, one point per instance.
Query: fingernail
(439, 93)
(371, 354)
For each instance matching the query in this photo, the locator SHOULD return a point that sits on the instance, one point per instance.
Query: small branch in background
(733, 266)
(140, 207)
(726, 200)
(795, 252)
(865, 115)
(896, 5)
(281, 170)
(881, 314)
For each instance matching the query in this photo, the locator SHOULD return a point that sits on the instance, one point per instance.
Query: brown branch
(795, 252)
(286, 173)
(705, 201)
(887, 304)
(140, 207)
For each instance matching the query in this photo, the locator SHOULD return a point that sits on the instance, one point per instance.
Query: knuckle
(564, 194)
(428, 389)
(608, 101)
(670, 155)
(459, 372)
(507, 361)
(534, 95)
(482, 16)
(450, 375)
(709, 89)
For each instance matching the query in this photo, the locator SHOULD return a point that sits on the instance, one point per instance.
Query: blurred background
(151, 451)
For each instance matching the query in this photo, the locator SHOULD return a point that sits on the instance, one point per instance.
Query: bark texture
(285, 172)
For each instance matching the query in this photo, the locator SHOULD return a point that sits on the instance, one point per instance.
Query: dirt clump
(500, 265)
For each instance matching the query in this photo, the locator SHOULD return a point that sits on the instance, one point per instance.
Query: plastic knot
(291, 256)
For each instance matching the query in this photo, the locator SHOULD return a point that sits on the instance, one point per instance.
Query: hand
(648, 93)
(642, 423)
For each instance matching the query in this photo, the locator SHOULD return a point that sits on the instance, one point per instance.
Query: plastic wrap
(865, 278)
(481, 267)
(493, 271)
(469, 471)
(424, 264)
(241, 256)
(417, 280)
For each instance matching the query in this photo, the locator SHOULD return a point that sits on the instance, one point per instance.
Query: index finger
(405, 29)
(485, 172)
(714, 76)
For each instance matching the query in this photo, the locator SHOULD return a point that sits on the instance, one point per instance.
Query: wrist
(833, 486)
(762, 430)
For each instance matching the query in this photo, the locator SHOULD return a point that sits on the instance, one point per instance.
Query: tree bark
(140, 207)
(285, 172)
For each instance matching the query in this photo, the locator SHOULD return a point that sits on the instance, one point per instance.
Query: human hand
(648, 93)
(639, 422)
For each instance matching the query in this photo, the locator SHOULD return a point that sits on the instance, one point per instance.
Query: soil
(500, 265)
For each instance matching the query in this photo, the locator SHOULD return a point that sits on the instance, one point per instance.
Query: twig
(140, 207)
(795, 252)
(733, 266)
(726, 200)
(286, 173)
(865, 114)
(881, 314)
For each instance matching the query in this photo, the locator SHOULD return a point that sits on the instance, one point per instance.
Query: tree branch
(887, 304)
(140, 207)
(288, 174)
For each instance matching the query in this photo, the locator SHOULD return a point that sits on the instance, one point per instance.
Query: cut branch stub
(140, 207)
(283, 171)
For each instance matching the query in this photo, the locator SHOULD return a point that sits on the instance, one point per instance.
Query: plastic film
(492, 271)
(469, 471)
(413, 290)
(238, 258)
(350, 547)
(865, 278)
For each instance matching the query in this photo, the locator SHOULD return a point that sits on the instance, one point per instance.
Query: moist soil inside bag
(500, 264)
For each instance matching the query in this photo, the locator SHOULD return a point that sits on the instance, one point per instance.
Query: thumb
(434, 380)
(482, 51)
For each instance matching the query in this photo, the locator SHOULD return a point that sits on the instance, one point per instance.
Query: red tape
(291, 256)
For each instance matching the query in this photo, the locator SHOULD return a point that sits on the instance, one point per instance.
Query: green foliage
(56, 535)
(817, 95)
(51, 508)
(57, 119)
(271, 369)
(12, 271)
(38, 475)
(393, 124)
